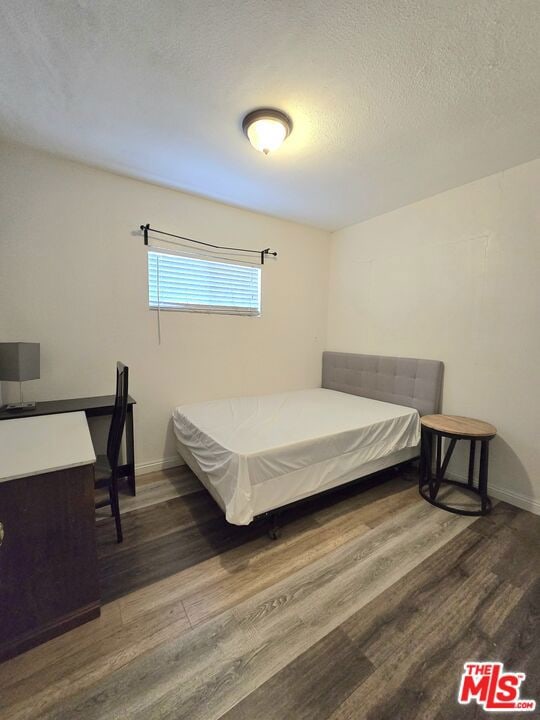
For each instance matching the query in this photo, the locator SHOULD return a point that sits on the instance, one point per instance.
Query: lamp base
(21, 406)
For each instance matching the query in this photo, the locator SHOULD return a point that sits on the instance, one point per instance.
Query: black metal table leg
(422, 466)
(425, 457)
(429, 458)
(472, 453)
(483, 477)
(434, 487)
(447, 457)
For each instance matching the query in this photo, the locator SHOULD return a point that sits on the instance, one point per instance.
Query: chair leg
(116, 509)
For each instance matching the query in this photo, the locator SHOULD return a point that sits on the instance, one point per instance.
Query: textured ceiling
(392, 100)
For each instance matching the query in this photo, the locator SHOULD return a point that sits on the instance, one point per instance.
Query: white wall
(456, 277)
(73, 277)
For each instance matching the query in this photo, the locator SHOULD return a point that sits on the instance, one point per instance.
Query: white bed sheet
(258, 453)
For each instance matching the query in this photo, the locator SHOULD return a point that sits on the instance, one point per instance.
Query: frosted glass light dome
(266, 129)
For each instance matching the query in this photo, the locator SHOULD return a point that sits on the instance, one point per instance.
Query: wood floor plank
(514, 642)
(179, 474)
(311, 686)
(167, 554)
(215, 593)
(215, 569)
(421, 631)
(421, 591)
(518, 638)
(181, 533)
(163, 486)
(75, 663)
(146, 524)
(512, 545)
(373, 567)
(525, 525)
(210, 669)
(214, 585)
(385, 693)
(502, 514)
(154, 488)
(148, 478)
(431, 684)
(383, 625)
(303, 539)
(375, 503)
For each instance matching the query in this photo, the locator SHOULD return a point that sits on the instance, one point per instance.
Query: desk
(93, 407)
(48, 556)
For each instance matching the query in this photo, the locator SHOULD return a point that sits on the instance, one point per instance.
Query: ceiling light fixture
(266, 129)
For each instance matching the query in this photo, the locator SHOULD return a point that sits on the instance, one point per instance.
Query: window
(177, 282)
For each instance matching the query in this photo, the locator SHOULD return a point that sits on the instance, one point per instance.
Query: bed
(258, 454)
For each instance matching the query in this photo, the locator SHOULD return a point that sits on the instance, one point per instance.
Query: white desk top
(36, 445)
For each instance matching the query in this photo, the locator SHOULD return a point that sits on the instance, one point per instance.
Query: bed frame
(411, 382)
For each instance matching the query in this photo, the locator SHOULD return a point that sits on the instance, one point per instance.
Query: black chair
(106, 471)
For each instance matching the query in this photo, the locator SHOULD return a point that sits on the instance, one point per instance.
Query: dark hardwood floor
(366, 607)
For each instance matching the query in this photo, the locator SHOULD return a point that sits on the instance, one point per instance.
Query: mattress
(258, 453)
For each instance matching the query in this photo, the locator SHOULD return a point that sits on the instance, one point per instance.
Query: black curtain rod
(146, 229)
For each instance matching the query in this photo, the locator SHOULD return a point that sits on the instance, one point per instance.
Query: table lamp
(19, 361)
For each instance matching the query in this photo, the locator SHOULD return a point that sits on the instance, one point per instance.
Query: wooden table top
(458, 425)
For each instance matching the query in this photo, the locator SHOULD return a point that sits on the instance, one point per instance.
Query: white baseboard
(513, 498)
(517, 499)
(164, 464)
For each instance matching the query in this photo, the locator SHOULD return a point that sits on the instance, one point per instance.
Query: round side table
(454, 427)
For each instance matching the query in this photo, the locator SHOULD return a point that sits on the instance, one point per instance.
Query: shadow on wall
(169, 445)
(507, 473)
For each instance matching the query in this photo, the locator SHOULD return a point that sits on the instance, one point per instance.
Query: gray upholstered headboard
(404, 381)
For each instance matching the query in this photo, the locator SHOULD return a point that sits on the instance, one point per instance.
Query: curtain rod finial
(145, 229)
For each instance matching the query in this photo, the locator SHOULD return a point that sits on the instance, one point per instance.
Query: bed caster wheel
(274, 531)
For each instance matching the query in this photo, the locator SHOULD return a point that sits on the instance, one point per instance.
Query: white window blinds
(177, 282)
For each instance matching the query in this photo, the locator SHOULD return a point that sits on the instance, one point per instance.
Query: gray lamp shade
(19, 361)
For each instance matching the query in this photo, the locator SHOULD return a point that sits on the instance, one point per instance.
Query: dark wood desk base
(48, 558)
(48, 632)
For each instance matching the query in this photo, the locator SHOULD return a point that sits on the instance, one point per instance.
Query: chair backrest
(119, 416)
